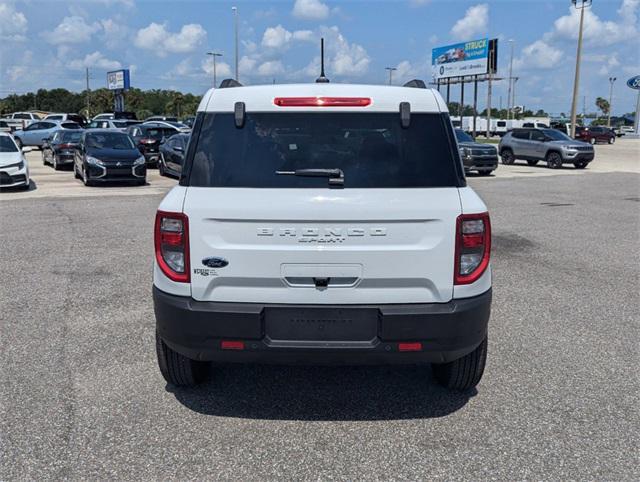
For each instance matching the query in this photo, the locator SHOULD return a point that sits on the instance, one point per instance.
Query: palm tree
(174, 105)
(603, 105)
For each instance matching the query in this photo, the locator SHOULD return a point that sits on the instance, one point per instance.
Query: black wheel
(463, 373)
(612, 140)
(580, 165)
(161, 169)
(507, 156)
(141, 182)
(75, 171)
(484, 173)
(85, 177)
(554, 160)
(44, 159)
(56, 166)
(177, 369)
(532, 162)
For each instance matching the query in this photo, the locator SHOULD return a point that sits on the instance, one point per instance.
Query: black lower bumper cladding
(319, 334)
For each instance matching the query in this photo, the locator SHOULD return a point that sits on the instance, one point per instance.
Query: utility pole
(611, 82)
(214, 55)
(235, 21)
(488, 134)
(88, 93)
(513, 94)
(579, 4)
(509, 100)
(390, 69)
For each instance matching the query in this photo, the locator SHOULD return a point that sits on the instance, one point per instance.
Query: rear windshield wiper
(336, 176)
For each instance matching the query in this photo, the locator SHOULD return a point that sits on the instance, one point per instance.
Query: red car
(595, 134)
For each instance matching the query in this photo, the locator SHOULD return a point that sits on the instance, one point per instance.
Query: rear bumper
(447, 331)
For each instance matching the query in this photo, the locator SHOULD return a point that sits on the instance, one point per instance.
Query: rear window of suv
(372, 149)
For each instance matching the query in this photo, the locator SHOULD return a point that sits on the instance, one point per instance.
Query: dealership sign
(118, 80)
(457, 60)
(634, 82)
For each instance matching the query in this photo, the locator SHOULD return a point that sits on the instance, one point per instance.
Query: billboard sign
(118, 80)
(457, 60)
(634, 82)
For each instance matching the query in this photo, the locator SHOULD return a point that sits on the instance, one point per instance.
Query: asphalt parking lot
(82, 397)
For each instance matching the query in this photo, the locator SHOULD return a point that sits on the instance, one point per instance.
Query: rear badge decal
(214, 262)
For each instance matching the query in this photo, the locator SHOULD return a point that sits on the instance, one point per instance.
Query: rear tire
(463, 373)
(75, 171)
(532, 162)
(177, 369)
(161, 169)
(507, 156)
(612, 140)
(554, 160)
(484, 173)
(56, 166)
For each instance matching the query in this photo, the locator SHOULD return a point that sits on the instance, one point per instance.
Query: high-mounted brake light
(473, 247)
(322, 101)
(171, 236)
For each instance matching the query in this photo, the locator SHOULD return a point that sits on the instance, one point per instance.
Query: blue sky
(45, 44)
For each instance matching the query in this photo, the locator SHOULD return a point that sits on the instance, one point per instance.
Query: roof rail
(416, 83)
(226, 83)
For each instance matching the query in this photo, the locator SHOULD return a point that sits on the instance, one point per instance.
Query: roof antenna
(322, 79)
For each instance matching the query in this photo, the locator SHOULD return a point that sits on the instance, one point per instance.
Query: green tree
(603, 105)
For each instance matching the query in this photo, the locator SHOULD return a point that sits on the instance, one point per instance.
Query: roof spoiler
(416, 83)
(226, 83)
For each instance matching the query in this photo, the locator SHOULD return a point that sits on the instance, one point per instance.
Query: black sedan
(476, 156)
(148, 138)
(108, 155)
(59, 149)
(172, 154)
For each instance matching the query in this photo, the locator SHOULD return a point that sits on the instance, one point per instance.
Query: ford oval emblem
(215, 262)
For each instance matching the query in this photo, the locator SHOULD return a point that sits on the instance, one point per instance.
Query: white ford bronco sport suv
(322, 224)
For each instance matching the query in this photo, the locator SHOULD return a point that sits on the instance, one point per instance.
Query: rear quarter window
(372, 149)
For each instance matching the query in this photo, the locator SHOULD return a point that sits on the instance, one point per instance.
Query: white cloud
(270, 68)
(539, 55)
(276, 37)
(310, 10)
(13, 24)
(246, 65)
(157, 38)
(115, 32)
(223, 70)
(601, 32)
(71, 30)
(345, 59)
(280, 38)
(610, 64)
(17, 72)
(475, 21)
(95, 60)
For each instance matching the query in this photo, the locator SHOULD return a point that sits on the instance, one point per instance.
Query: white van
(322, 223)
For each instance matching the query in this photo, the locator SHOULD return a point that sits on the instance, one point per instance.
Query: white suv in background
(322, 224)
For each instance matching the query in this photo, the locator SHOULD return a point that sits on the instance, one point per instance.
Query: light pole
(581, 5)
(235, 23)
(509, 104)
(214, 55)
(390, 69)
(513, 96)
(611, 82)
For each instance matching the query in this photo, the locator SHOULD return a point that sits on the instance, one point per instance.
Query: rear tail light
(473, 247)
(147, 141)
(171, 237)
(416, 346)
(66, 146)
(232, 345)
(322, 101)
